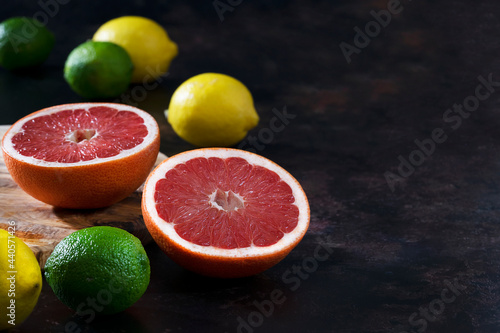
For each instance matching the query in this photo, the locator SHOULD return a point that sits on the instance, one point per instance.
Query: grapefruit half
(83, 155)
(224, 212)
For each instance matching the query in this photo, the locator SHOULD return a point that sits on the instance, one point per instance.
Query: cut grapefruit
(224, 212)
(83, 155)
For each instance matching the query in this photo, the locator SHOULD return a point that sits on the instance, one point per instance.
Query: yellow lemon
(20, 290)
(212, 109)
(147, 43)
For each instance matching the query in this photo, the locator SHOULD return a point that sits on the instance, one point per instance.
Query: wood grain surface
(43, 226)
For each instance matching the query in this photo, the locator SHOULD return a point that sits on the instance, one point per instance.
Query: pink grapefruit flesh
(84, 155)
(224, 212)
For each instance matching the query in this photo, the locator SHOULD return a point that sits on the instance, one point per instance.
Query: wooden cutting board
(42, 226)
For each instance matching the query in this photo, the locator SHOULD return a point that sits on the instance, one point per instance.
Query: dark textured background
(393, 253)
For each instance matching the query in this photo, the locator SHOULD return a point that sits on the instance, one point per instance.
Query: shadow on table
(120, 322)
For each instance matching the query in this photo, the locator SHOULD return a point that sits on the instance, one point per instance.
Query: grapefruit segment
(224, 212)
(83, 155)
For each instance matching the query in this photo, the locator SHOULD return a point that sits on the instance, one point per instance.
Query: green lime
(98, 70)
(24, 42)
(98, 270)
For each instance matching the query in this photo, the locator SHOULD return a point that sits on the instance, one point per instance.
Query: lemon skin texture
(212, 110)
(16, 256)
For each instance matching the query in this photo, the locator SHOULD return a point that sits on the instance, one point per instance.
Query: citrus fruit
(104, 269)
(21, 280)
(212, 109)
(83, 155)
(224, 212)
(145, 40)
(24, 42)
(98, 70)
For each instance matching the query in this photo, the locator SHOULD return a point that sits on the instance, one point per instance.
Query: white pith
(149, 121)
(88, 133)
(252, 251)
(213, 201)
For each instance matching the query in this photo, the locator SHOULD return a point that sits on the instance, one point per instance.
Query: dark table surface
(394, 138)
